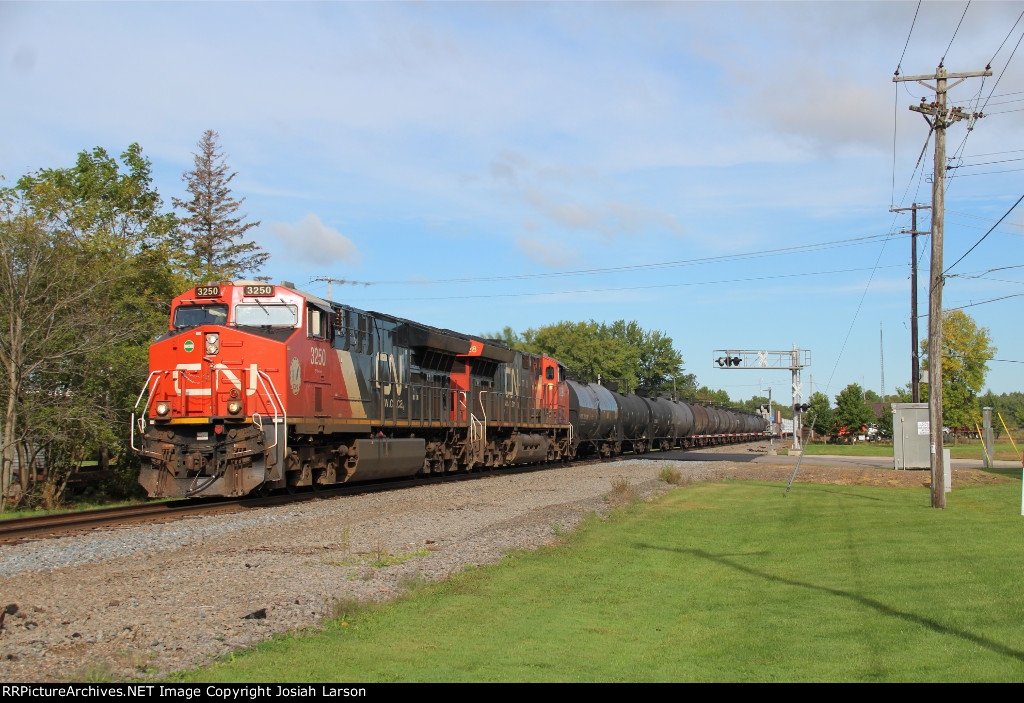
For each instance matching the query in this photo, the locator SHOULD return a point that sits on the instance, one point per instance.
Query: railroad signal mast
(794, 360)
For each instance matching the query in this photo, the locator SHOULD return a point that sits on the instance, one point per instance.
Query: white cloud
(311, 241)
(548, 253)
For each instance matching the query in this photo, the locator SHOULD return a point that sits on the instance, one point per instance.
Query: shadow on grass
(878, 606)
(805, 488)
(1014, 473)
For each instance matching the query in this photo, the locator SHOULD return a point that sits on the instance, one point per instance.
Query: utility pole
(881, 358)
(336, 280)
(938, 118)
(915, 359)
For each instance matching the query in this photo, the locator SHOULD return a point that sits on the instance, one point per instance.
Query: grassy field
(713, 582)
(1004, 451)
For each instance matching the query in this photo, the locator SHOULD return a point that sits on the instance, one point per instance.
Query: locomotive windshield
(195, 315)
(266, 314)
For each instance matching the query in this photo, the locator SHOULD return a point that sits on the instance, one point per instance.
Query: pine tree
(213, 227)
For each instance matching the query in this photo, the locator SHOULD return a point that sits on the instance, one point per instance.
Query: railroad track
(21, 529)
(38, 527)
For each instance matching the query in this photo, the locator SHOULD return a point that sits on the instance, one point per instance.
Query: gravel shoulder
(146, 601)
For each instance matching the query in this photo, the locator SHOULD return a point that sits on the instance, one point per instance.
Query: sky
(720, 171)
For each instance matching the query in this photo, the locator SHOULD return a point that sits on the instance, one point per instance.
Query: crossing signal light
(798, 407)
(728, 361)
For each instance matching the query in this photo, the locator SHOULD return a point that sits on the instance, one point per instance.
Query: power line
(984, 235)
(985, 173)
(986, 272)
(634, 288)
(1003, 72)
(985, 163)
(907, 42)
(992, 153)
(763, 253)
(896, 101)
(1003, 112)
(981, 111)
(979, 217)
(1001, 95)
(984, 302)
(942, 61)
(992, 60)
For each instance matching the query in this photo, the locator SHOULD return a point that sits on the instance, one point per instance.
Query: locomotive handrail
(518, 410)
(261, 375)
(448, 402)
(149, 397)
(483, 426)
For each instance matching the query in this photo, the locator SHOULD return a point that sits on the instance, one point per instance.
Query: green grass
(1004, 451)
(858, 449)
(715, 582)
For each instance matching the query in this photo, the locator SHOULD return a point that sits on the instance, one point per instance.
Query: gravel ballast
(148, 600)
(145, 601)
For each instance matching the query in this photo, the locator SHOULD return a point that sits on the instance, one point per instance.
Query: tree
(213, 227)
(754, 404)
(851, 410)
(86, 259)
(507, 335)
(966, 350)
(819, 415)
(711, 397)
(621, 351)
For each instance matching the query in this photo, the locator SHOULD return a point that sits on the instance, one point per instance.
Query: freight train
(257, 387)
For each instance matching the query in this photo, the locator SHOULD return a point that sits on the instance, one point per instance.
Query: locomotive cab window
(549, 373)
(196, 315)
(265, 314)
(316, 323)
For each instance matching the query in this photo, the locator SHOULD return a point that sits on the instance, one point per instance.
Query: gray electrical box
(911, 436)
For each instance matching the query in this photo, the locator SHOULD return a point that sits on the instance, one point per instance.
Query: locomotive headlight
(235, 407)
(212, 343)
(163, 409)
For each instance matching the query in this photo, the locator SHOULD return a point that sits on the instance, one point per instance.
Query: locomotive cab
(211, 415)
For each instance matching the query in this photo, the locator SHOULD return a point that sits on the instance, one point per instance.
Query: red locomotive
(258, 387)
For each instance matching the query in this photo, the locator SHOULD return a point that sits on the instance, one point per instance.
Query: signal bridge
(793, 360)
